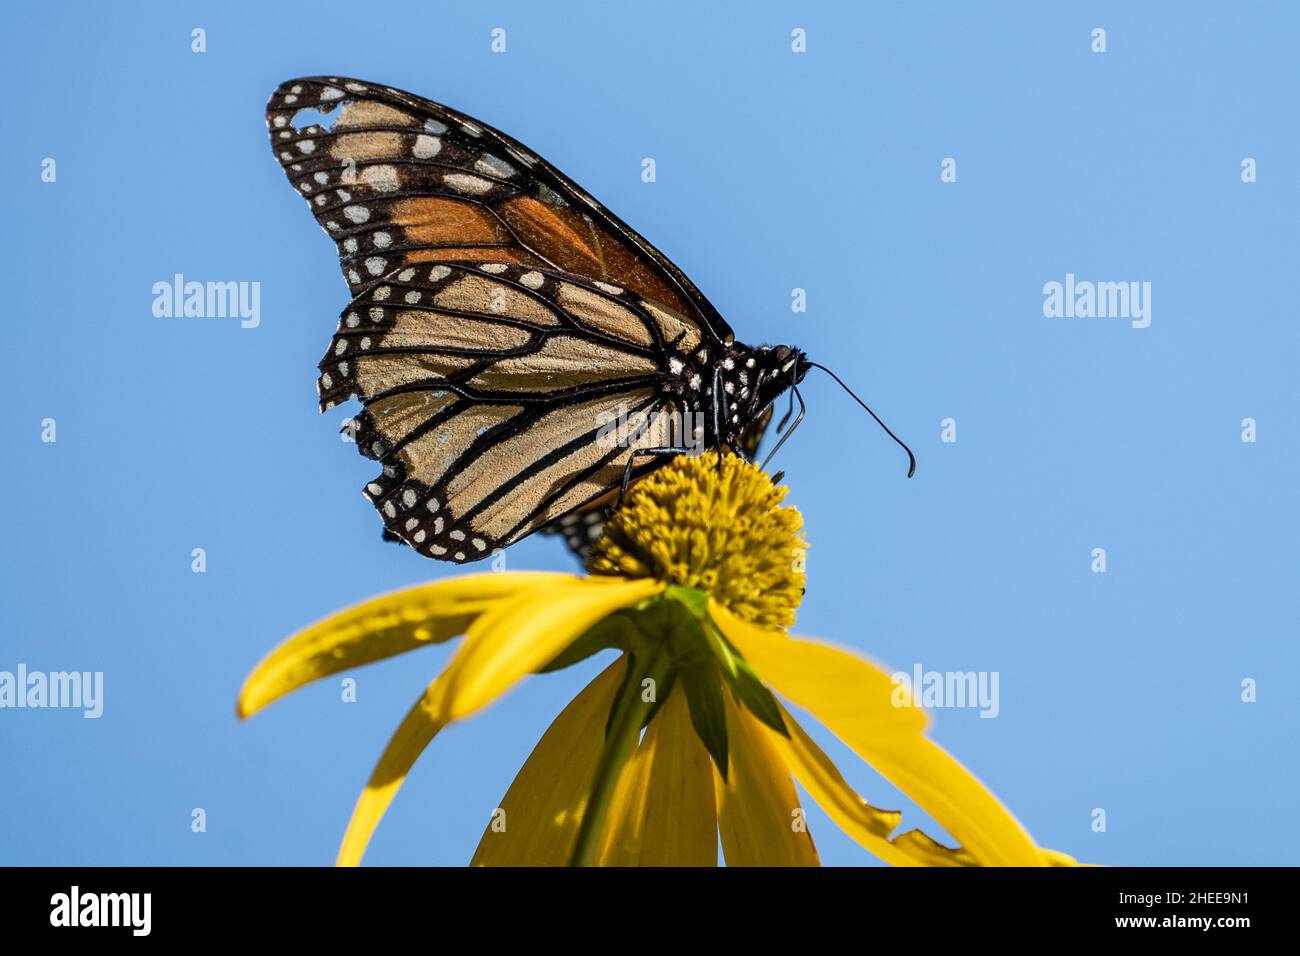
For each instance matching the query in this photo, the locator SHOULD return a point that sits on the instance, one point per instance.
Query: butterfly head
(775, 369)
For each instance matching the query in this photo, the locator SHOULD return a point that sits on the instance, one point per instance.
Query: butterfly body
(500, 319)
(751, 379)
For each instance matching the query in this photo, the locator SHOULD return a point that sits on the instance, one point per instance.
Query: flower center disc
(722, 531)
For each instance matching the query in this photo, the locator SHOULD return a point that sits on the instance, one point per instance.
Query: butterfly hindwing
(492, 396)
(580, 531)
(471, 486)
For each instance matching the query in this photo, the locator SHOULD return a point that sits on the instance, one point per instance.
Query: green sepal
(610, 632)
(726, 655)
(703, 687)
(693, 599)
(628, 677)
(632, 685)
(661, 695)
(740, 677)
(756, 698)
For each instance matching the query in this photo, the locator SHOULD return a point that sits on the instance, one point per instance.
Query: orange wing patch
(433, 220)
(577, 245)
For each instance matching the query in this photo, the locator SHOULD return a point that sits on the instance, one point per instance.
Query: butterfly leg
(719, 413)
(631, 462)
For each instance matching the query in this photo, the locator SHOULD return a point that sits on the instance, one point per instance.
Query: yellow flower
(698, 575)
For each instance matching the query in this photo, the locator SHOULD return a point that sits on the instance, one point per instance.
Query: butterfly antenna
(794, 392)
(911, 459)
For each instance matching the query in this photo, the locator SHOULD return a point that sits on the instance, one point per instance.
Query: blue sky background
(775, 170)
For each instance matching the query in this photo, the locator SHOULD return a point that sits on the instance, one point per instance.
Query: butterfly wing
(493, 396)
(501, 316)
(395, 179)
(580, 531)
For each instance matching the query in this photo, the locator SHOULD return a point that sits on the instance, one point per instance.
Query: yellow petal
(419, 727)
(867, 825)
(921, 850)
(380, 628)
(1057, 858)
(848, 688)
(759, 817)
(519, 636)
(663, 812)
(953, 796)
(537, 822)
(854, 700)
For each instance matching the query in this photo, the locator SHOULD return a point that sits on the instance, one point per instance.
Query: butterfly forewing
(396, 179)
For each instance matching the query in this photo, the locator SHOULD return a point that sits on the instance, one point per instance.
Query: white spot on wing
(382, 178)
(490, 165)
(465, 183)
(426, 147)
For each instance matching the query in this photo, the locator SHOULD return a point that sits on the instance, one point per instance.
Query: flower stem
(620, 742)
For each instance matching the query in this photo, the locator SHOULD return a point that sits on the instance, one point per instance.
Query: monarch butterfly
(501, 320)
